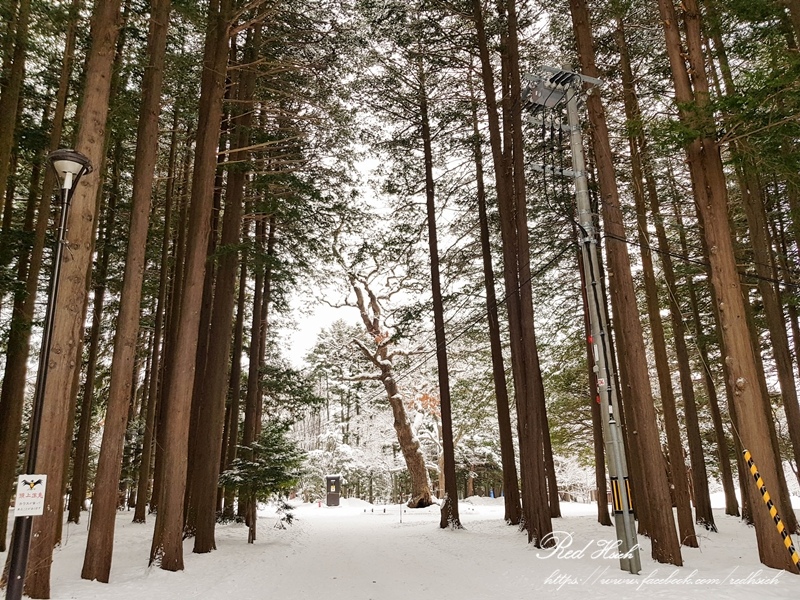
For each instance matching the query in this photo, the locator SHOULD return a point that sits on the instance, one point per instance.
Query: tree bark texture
(234, 390)
(196, 433)
(449, 513)
(535, 506)
(753, 202)
(542, 476)
(628, 327)
(174, 295)
(511, 495)
(702, 341)
(372, 317)
(706, 170)
(9, 101)
(156, 368)
(99, 547)
(12, 394)
(678, 472)
(80, 463)
(212, 395)
(69, 318)
(167, 548)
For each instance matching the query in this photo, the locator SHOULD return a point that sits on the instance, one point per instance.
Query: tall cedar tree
(372, 315)
(156, 361)
(80, 465)
(449, 515)
(678, 473)
(167, 547)
(213, 394)
(99, 547)
(643, 171)
(514, 233)
(710, 187)
(511, 495)
(548, 487)
(754, 203)
(10, 98)
(69, 314)
(12, 395)
(639, 405)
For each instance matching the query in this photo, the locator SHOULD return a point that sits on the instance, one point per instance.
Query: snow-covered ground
(360, 552)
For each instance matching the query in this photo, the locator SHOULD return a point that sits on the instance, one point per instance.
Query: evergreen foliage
(272, 468)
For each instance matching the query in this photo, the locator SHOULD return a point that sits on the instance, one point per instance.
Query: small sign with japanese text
(29, 501)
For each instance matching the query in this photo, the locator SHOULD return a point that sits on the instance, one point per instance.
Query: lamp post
(69, 166)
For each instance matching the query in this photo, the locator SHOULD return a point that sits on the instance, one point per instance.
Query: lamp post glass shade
(70, 166)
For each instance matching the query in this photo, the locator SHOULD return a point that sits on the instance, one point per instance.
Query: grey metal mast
(549, 92)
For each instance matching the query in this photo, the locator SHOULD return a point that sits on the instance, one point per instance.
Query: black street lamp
(69, 166)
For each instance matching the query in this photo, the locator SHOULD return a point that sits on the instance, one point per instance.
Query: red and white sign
(29, 501)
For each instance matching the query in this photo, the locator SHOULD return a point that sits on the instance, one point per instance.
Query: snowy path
(347, 553)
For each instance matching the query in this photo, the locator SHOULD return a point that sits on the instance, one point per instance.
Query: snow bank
(345, 553)
(484, 501)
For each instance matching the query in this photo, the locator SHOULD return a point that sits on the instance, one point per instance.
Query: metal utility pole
(609, 407)
(549, 92)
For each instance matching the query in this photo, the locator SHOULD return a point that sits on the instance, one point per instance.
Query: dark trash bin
(333, 489)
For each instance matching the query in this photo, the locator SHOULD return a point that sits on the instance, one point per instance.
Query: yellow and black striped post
(773, 512)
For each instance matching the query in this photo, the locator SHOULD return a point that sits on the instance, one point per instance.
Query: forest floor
(359, 552)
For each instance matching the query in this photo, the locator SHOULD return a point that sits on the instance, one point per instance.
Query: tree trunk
(509, 249)
(212, 396)
(776, 322)
(252, 398)
(80, 464)
(265, 235)
(196, 433)
(9, 100)
(449, 510)
(172, 314)
(702, 496)
(12, 395)
(99, 548)
(626, 417)
(511, 495)
(372, 317)
(753, 203)
(723, 453)
(10, 13)
(69, 319)
(659, 346)
(711, 197)
(535, 506)
(781, 488)
(782, 273)
(541, 476)
(156, 368)
(167, 548)
(264, 320)
(11, 187)
(234, 389)
(628, 327)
